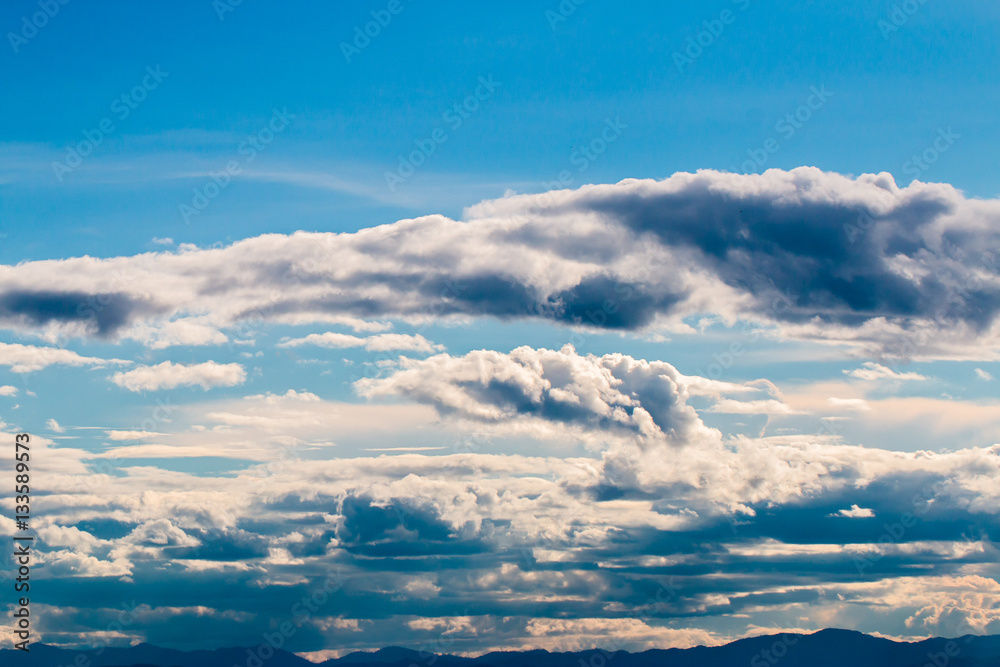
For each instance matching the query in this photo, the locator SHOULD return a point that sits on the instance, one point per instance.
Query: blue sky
(282, 301)
(890, 97)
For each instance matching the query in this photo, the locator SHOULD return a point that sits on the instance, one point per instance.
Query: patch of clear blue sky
(891, 94)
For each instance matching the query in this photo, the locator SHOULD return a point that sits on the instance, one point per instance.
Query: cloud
(169, 375)
(614, 393)
(8, 390)
(872, 371)
(101, 314)
(983, 375)
(131, 435)
(529, 550)
(184, 331)
(29, 358)
(850, 403)
(53, 425)
(530, 390)
(856, 512)
(378, 343)
(278, 429)
(891, 271)
(586, 633)
(761, 407)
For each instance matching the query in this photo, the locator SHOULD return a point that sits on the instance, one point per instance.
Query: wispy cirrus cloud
(872, 371)
(377, 343)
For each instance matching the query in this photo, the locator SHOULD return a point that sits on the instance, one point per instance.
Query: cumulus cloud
(169, 375)
(893, 271)
(28, 358)
(856, 512)
(8, 390)
(638, 412)
(614, 393)
(614, 396)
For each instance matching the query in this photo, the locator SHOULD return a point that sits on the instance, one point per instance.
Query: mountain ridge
(830, 647)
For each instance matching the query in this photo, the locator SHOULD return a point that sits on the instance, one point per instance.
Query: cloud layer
(530, 497)
(815, 254)
(662, 530)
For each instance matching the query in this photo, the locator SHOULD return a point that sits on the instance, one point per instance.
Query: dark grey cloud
(103, 314)
(827, 256)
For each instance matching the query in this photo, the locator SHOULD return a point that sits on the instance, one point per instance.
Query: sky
(538, 325)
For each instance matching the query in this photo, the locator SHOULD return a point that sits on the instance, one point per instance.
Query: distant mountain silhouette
(827, 648)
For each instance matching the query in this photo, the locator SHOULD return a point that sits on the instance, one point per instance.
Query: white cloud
(539, 386)
(169, 375)
(290, 395)
(856, 512)
(762, 407)
(850, 403)
(53, 425)
(872, 371)
(28, 358)
(983, 375)
(185, 331)
(581, 634)
(8, 390)
(131, 435)
(378, 343)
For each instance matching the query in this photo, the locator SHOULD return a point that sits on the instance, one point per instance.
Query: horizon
(322, 657)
